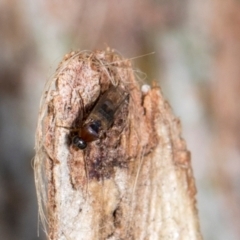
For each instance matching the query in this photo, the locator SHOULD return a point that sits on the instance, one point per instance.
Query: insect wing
(107, 106)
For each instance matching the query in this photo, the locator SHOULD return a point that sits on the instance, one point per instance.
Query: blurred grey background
(196, 62)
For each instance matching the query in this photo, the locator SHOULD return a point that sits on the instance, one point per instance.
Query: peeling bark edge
(147, 192)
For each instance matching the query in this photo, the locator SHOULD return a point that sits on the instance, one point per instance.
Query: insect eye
(79, 142)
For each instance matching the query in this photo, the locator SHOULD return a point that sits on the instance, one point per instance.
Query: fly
(101, 117)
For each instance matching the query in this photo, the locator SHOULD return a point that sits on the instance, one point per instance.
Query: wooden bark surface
(134, 182)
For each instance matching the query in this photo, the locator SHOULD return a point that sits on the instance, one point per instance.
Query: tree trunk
(134, 180)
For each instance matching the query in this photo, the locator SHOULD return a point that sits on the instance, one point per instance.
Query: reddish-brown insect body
(101, 117)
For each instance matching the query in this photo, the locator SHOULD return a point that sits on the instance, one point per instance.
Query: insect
(101, 117)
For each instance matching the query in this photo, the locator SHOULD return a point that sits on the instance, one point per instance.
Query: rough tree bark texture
(135, 181)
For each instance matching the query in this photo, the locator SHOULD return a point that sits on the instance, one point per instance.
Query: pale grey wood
(149, 194)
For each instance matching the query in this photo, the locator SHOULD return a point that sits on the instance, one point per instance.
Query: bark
(135, 181)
